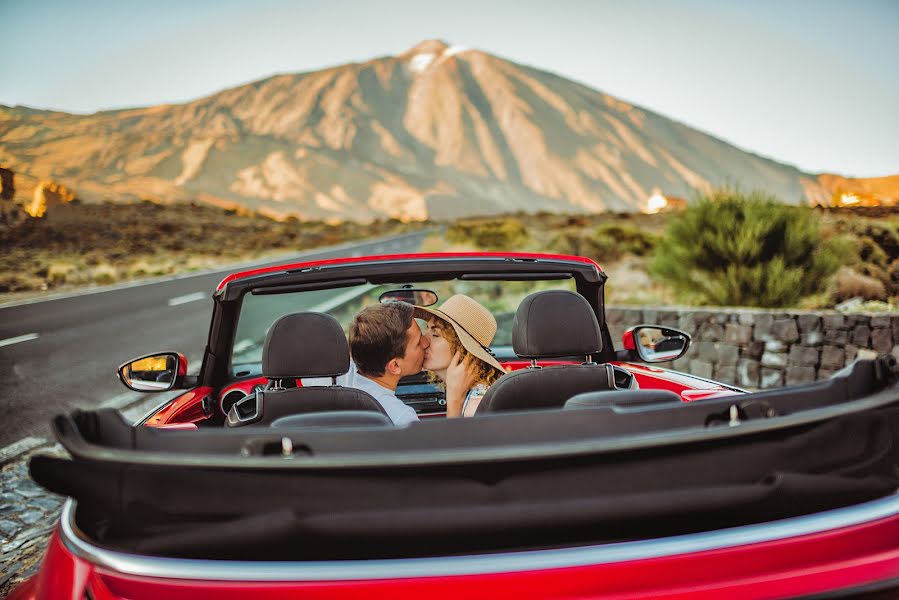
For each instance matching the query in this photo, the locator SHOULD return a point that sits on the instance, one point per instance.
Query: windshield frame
(333, 274)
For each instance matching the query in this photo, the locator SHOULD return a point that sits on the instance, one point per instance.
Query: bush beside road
(747, 249)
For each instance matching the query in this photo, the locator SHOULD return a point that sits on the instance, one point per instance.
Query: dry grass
(88, 244)
(82, 244)
(849, 283)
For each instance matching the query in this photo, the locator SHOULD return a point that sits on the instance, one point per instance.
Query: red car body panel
(186, 408)
(182, 365)
(837, 559)
(689, 388)
(627, 340)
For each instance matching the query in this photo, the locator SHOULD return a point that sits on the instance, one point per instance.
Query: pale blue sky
(813, 83)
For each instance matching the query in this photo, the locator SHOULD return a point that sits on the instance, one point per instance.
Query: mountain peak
(429, 52)
(427, 47)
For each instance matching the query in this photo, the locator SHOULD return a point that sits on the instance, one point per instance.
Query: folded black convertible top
(485, 495)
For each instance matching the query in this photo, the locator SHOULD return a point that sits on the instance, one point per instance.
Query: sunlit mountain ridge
(437, 131)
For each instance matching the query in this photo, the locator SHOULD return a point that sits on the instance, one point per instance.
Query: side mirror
(154, 372)
(652, 343)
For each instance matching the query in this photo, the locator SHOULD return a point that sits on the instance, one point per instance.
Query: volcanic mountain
(437, 131)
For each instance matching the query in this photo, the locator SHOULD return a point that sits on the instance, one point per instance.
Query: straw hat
(473, 323)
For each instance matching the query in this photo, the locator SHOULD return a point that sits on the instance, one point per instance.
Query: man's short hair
(378, 335)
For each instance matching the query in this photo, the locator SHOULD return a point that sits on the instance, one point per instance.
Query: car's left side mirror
(652, 344)
(154, 372)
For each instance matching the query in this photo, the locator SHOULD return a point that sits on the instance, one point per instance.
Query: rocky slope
(436, 132)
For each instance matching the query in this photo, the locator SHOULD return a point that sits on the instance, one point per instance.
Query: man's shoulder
(398, 411)
(368, 384)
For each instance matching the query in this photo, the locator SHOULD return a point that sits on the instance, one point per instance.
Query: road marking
(15, 340)
(242, 345)
(188, 298)
(17, 448)
(340, 299)
(224, 270)
(122, 400)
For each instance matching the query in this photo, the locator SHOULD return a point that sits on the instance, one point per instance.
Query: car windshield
(258, 312)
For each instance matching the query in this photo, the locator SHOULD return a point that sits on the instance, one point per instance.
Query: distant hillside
(434, 132)
(871, 190)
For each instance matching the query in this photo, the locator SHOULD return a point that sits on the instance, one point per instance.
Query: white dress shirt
(395, 408)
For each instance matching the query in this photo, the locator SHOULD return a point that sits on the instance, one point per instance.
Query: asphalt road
(59, 354)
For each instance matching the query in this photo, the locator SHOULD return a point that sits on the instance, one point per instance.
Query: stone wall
(764, 349)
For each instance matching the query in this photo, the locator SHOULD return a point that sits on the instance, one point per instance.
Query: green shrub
(883, 235)
(492, 234)
(875, 245)
(893, 275)
(607, 243)
(746, 250)
(869, 251)
(569, 242)
(613, 241)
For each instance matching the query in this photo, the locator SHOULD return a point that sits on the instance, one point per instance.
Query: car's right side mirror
(652, 344)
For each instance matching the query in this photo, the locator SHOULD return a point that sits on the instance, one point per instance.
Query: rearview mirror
(154, 372)
(410, 296)
(652, 343)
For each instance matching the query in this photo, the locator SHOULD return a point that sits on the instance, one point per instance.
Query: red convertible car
(586, 472)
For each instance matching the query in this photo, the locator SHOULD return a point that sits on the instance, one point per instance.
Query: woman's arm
(460, 377)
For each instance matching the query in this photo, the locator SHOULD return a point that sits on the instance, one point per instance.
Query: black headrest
(305, 345)
(555, 323)
(532, 389)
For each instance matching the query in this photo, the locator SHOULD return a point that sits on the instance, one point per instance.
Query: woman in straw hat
(460, 333)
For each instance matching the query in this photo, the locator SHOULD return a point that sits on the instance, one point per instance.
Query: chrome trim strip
(149, 566)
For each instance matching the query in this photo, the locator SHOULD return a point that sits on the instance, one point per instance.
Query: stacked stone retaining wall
(759, 349)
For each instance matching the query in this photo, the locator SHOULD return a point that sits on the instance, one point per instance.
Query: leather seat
(551, 324)
(334, 420)
(623, 399)
(302, 345)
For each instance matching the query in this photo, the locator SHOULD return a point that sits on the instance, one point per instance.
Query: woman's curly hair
(486, 373)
